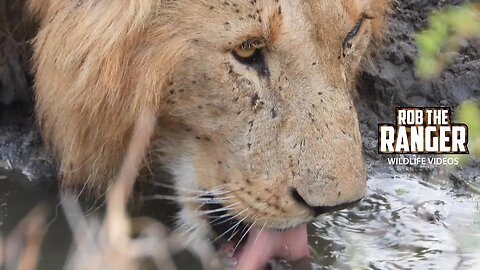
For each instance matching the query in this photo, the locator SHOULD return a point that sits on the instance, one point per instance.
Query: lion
(254, 102)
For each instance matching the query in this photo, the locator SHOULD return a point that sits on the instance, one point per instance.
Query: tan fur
(100, 63)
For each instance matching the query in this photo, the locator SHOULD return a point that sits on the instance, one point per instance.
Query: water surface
(407, 221)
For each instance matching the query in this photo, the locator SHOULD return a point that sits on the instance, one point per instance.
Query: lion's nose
(319, 210)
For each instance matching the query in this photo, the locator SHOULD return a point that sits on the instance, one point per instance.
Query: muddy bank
(390, 81)
(15, 32)
(20, 145)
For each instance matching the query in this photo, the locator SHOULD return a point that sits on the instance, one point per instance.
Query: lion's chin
(264, 245)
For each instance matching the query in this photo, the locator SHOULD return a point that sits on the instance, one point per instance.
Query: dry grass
(21, 249)
(117, 242)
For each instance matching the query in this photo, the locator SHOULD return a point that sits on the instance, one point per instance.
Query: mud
(390, 80)
(15, 32)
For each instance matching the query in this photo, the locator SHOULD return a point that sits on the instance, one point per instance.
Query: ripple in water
(403, 223)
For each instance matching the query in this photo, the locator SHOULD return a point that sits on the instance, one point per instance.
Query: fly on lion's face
(256, 116)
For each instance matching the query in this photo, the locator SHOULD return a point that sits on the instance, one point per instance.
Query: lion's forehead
(234, 19)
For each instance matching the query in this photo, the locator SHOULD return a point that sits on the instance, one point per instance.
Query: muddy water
(405, 222)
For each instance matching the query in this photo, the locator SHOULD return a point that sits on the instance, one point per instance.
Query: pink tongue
(262, 246)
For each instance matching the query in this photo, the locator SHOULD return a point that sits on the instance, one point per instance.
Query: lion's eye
(249, 52)
(245, 53)
(349, 39)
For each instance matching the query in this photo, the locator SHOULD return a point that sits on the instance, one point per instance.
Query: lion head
(254, 99)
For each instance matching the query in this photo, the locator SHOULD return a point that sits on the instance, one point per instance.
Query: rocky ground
(387, 82)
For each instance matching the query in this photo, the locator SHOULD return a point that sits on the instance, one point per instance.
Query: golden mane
(124, 64)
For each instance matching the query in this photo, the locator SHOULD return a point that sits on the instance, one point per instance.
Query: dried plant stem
(118, 195)
(23, 246)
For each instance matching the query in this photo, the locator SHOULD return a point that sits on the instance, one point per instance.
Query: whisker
(261, 230)
(176, 198)
(222, 209)
(183, 198)
(233, 235)
(210, 212)
(216, 199)
(227, 215)
(230, 229)
(223, 234)
(246, 227)
(214, 222)
(218, 190)
(236, 226)
(243, 236)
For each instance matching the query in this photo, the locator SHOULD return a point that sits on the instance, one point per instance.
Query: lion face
(256, 118)
(260, 112)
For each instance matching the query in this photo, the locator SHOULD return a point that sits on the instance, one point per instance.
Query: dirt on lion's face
(256, 116)
(262, 107)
